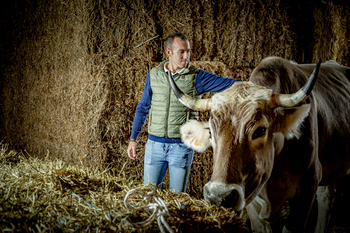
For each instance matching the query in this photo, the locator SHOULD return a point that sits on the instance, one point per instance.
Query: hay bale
(193, 18)
(248, 31)
(124, 29)
(50, 100)
(332, 33)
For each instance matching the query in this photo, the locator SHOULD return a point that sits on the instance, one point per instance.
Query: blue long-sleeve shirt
(205, 82)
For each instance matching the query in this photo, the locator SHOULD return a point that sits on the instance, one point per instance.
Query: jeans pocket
(148, 152)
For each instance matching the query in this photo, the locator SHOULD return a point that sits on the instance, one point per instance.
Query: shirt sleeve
(208, 82)
(142, 109)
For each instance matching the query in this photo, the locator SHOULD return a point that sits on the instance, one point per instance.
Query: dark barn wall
(72, 72)
(49, 99)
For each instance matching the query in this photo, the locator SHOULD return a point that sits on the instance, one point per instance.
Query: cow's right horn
(188, 101)
(291, 100)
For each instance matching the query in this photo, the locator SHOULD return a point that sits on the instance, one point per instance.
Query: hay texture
(43, 195)
(52, 94)
(332, 33)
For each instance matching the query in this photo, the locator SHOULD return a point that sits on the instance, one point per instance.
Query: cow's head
(245, 122)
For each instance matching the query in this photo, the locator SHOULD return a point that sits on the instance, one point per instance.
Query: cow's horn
(188, 101)
(290, 100)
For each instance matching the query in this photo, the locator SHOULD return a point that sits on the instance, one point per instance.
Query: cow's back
(332, 95)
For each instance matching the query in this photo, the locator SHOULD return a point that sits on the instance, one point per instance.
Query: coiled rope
(154, 202)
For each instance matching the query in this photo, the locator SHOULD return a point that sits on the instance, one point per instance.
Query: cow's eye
(259, 132)
(209, 132)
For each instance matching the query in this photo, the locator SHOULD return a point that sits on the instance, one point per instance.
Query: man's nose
(186, 55)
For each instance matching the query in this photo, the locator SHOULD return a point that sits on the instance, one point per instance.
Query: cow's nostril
(231, 199)
(224, 195)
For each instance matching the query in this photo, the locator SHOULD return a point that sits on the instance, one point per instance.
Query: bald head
(170, 39)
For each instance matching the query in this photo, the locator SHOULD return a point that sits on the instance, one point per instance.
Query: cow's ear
(291, 119)
(195, 135)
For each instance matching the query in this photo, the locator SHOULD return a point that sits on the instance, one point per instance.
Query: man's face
(180, 54)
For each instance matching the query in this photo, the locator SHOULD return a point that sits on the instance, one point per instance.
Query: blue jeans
(159, 156)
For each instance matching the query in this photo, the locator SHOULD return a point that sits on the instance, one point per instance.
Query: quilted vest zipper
(168, 108)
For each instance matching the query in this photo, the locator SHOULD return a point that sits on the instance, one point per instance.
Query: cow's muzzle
(227, 195)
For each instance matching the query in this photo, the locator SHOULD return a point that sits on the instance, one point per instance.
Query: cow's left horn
(291, 100)
(188, 101)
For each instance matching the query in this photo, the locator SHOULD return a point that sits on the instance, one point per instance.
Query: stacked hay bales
(73, 72)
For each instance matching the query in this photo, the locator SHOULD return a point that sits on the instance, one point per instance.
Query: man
(164, 148)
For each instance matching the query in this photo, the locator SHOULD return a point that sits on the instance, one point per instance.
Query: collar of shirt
(166, 70)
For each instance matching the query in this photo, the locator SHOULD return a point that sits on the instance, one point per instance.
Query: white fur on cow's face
(195, 135)
(240, 92)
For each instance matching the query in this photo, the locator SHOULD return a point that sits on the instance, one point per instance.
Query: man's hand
(132, 150)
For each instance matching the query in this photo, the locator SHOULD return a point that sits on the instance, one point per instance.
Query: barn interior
(73, 72)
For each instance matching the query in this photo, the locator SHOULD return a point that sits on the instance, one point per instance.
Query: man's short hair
(170, 39)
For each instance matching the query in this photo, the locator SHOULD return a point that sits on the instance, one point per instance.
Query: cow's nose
(228, 199)
(212, 198)
(224, 195)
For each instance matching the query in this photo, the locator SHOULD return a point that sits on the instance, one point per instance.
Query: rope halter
(154, 202)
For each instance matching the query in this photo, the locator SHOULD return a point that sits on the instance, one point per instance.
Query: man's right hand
(132, 150)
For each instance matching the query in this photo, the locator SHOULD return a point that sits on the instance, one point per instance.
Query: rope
(85, 202)
(156, 203)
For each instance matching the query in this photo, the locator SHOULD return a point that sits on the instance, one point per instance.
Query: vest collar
(183, 71)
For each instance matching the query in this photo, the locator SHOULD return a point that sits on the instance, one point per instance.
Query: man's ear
(290, 120)
(168, 52)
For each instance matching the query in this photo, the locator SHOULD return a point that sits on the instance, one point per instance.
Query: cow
(280, 137)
